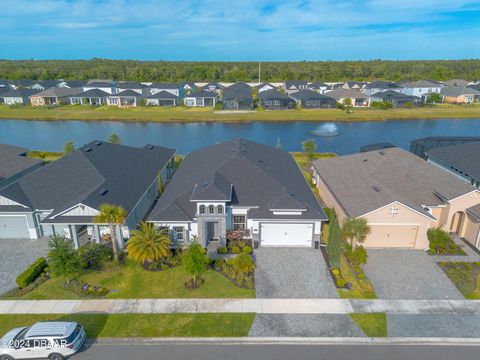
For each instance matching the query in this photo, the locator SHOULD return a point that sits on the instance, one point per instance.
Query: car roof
(51, 328)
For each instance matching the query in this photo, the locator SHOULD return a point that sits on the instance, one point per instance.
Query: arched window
(211, 209)
(202, 209)
(220, 209)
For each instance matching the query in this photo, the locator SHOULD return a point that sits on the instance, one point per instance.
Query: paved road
(278, 352)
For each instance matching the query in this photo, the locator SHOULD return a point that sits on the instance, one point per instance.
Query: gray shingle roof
(162, 95)
(22, 93)
(92, 93)
(419, 84)
(380, 84)
(58, 92)
(308, 95)
(238, 91)
(464, 157)
(97, 173)
(12, 162)
(202, 94)
(273, 94)
(261, 176)
(475, 212)
(341, 93)
(296, 84)
(366, 181)
(127, 93)
(391, 94)
(457, 91)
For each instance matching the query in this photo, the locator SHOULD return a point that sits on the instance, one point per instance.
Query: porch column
(73, 233)
(96, 232)
(118, 233)
(53, 230)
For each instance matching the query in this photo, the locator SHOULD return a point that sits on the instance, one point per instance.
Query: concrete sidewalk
(259, 306)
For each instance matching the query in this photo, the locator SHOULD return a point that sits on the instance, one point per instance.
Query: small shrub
(442, 263)
(335, 272)
(359, 255)
(32, 273)
(93, 255)
(236, 249)
(361, 276)
(247, 249)
(340, 283)
(164, 267)
(223, 250)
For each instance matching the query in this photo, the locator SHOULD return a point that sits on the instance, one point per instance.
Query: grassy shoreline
(187, 115)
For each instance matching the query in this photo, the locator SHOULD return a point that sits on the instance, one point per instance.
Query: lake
(52, 135)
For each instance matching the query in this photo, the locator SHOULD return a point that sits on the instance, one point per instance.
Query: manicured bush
(33, 271)
(223, 250)
(441, 243)
(236, 249)
(358, 256)
(247, 249)
(63, 260)
(93, 255)
(340, 283)
(335, 272)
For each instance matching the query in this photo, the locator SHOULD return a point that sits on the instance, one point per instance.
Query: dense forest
(239, 71)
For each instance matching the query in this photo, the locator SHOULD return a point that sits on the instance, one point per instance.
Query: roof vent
(103, 192)
(365, 160)
(376, 188)
(150, 147)
(98, 143)
(87, 149)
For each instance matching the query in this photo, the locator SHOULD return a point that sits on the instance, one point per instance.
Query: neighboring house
(188, 87)
(456, 82)
(107, 86)
(175, 89)
(238, 97)
(14, 164)
(291, 86)
(201, 98)
(46, 84)
(64, 196)
(71, 84)
(20, 96)
(380, 86)
(93, 97)
(310, 99)
(376, 146)
(459, 95)
(264, 87)
(214, 88)
(462, 160)
(400, 195)
(162, 98)
(125, 98)
(419, 87)
(239, 185)
(139, 88)
(353, 85)
(53, 96)
(395, 98)
(420, 147)
(319, 87)
(16, 84)
(357, 98)
(5, 84)
(275, 100)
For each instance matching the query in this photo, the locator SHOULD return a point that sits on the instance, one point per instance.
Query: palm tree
(147, 244)
(112, 215)
(355, 230)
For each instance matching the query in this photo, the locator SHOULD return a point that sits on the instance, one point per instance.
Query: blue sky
(250, 30)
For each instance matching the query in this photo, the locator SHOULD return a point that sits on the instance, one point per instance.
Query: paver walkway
(259, 306)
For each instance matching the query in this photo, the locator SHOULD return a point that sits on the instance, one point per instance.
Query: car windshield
(21, 334)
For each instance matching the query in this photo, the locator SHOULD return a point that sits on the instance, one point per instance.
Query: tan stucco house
(400, 195)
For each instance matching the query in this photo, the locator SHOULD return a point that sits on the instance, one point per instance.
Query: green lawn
(131, 281)
(373, 325)
(144, 325)
(181, 114)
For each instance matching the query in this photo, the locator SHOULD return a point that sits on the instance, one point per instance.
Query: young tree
(195, 261)
(334, 244)
(309, 146)
(355, 231)
(62, 258)
(69, 147)
(113, 216)
(147, 244)
(114, 139)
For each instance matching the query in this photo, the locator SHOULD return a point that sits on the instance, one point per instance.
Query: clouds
(240, 30)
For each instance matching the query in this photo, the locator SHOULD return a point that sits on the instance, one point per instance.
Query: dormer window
(202, 209)
(220, 209)
(211, 209)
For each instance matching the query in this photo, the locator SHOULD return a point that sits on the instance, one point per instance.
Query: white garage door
(286, 234)
(392, 236)
(13, 227)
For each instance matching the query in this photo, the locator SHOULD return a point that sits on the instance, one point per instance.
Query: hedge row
(33, 271)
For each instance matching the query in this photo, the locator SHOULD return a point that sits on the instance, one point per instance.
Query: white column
(96, 232)
(73, 233)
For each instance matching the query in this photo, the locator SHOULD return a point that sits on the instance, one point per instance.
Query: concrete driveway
(408, 274)
(16, 256)
(292, 273)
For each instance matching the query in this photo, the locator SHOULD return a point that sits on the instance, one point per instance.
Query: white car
(52, 340)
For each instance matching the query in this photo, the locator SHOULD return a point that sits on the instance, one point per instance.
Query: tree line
(177, 71)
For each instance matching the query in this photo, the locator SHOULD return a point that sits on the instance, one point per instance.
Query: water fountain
(328, 129)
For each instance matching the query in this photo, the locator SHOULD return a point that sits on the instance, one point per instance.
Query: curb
(289, 341)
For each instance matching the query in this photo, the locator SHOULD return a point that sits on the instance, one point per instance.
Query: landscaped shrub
(93, 290)
(441, 243)
(239, 270)
(223, 250)
(247, 249)
(236, 249)
(63, 260)
(93, 255)
(357, 256)
(28, 276)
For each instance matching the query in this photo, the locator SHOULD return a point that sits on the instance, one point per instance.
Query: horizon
(249, 31)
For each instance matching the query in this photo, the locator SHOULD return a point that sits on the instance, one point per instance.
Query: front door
(212, 231)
